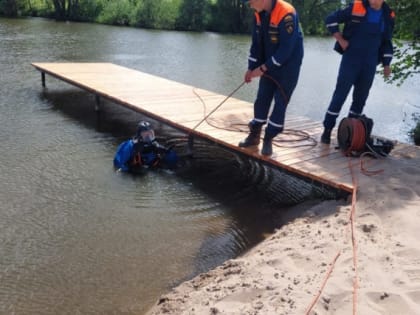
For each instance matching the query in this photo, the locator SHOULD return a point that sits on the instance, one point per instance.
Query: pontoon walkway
(181, 106)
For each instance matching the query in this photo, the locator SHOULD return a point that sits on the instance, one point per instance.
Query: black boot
(326, 136)
(267, 148)
(253, 137)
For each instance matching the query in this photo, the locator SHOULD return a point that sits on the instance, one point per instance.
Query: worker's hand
(387, 71)
(248, 76)
(344, 43)
(257, 72)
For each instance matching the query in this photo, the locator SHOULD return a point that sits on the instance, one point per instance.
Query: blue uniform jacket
(352, 17)
(276, 37)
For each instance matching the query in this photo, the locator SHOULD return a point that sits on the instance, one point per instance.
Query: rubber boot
(267, 148)
(326, 136)
(253, 137)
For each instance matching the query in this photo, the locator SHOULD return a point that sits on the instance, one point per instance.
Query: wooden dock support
(97, 103)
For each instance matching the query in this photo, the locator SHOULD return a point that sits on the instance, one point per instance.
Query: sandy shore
(314, 253)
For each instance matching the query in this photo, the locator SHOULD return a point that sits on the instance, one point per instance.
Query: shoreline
(284, 273)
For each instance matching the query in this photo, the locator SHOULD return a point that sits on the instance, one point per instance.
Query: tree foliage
(193, 15)
(313, 13)
(116, 13)
(407, 29)
(230, 16)
(9, 8)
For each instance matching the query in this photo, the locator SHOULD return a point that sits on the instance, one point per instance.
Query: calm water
(78, 238)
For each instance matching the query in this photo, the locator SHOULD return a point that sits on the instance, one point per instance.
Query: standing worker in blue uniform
(275, 57)
(366, 41)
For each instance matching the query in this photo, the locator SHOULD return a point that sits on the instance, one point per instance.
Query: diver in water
(144, 151)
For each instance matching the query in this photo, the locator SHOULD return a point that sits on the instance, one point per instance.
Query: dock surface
(183, 107)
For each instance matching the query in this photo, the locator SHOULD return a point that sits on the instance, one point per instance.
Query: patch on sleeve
(289, 23)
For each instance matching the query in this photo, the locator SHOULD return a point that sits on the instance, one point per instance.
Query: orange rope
(354, 245)
(316, 298)
(357, 144)
(353, 237)
(364, 170)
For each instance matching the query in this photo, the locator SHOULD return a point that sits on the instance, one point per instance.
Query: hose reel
(354, 138)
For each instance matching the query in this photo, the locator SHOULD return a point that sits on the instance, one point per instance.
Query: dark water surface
(76, 237)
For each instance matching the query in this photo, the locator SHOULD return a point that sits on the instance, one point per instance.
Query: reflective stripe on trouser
(358, 75)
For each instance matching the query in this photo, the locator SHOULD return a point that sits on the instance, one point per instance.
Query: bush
(415, 133)
(117, 13)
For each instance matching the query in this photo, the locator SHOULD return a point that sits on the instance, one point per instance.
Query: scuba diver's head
(145, 132)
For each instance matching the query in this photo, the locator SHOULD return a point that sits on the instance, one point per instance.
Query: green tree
(74, 10)
(407, 53)
(60, 9)
(9, 8)
(406, 60)
(193, 15)
(156, 14)
(117, 13)
(169, 14)
(313, 13)
(230, 16)
(147, 13)
(84, 10)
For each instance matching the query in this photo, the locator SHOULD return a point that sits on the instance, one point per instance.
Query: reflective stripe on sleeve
(332, 24)
(275, 62)
(332, 113)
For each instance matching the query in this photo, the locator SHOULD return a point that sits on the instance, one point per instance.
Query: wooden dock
(181, 106)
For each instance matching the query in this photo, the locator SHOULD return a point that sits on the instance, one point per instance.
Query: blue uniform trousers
(280, 89)
(358, 74)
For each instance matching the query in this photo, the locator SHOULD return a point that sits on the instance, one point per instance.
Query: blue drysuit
(369, 33)
(277, 42)
(132, 155)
